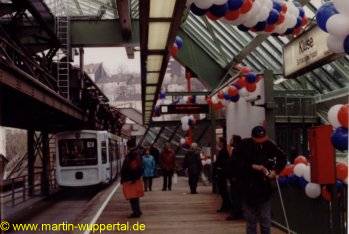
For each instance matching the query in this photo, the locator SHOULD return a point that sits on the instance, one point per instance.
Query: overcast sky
(112, 58)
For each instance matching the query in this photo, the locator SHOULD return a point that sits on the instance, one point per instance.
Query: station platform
(175, 212)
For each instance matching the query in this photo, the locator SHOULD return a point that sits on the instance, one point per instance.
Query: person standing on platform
(221, 166)
(154, 151)
(236, 210)
(259, 160)
(192, 162)
(168, 163)
(148, 170)
(131, 173)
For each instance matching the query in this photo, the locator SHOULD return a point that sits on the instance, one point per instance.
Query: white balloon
(185, 99)
(299, 169)
(338, 25)
(342, 6)
(268, 4)
(252, 15)
(203, 4)
(185, 127)
(312, 190)
(243, 92)
(191, 117)
(307, 174)
(182, 141)
(220, 2)
(189, 2)
(335, 44)
(184, 120)
(292, 9)
(241, 19)
(332, 115)
(291, 20)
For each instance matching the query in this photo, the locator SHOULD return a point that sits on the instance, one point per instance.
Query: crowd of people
(243, 172)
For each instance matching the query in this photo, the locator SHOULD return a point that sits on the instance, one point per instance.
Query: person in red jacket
(167, 163)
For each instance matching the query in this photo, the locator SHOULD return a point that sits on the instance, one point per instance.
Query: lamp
(161, 8)
(154, 62)
(152, 77)
(157, 35)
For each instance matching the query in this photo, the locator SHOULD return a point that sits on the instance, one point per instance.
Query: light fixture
(157, 35)
(154, 62)
(150, 89)
(149, 104)
(149, 97)
(279, 81)
(161, 8)
(152, 78)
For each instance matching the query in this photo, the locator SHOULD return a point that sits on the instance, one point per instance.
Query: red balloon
(301, 159)
(246, 6)
(297, 31)
(218, 106)
(232, 15)
(245, 70)
(209, 101)
(326, 194)
(259, 77)
(188, 75)
(174, 51)
(253, 29)
(211, 16)
(270, 28)
(284, 8)
(304, 21)
(281, 19)
(288, 170)
(241, 81)
(233, 91)
(251, 87)
(342, 171)
(220, 95)
(343, 115)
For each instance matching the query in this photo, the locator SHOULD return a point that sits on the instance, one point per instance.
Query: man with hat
(259, 160)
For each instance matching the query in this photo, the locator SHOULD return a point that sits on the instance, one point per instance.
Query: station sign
(306, 53)
(185, 109)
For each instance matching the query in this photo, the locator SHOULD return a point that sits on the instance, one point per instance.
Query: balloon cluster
(177, 45)
(244, 85)
(187, 122)
(277, 17)
(338, 118)
(298, 174)
(333, 18)
(161, 100)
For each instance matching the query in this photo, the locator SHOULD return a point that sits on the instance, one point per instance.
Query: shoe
(194, 192)
(169, 189)
(134, 215)
(233, 217)
(221, 210)
(163, 189)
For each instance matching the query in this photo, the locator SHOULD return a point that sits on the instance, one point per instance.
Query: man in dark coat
(259, 161)
(192, 162)
(168, 163)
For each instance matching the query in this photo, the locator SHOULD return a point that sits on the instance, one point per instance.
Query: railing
(17, 190)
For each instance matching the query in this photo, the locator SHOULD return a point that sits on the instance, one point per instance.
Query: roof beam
(123, 8)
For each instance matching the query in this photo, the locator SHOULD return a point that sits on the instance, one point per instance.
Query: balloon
(232, 91)
(189, 2)
(182, 141)
(232, 15)
(284, 8)
(281, 19)
(324, 13)
(302, 183)
(341, 171)
(185, 127)
(326, 194)
(301, 159)
(273, 16)
(226, 96)
(343, 115)
(179, 42)
(197, 10)
(270, 28)
(209, 101)
(211, 16)
(251, 87)
(174, 51)
(251, 77)
(288, 170)
(342, 6)
(260, 26)
(235, 4)
(299, 169)
(299, 22)
(304, 21)
(245, 70)
(218, 2)
(307, 174)
(338, 25)
(237, 86)
(243, 28)
(243, 92)
(332, 115)
(241, 81)
(246, 6)
(219, 10)
(264, 14)
(235, 98)
(339, 185)
(252, 14)
(203, 4)
(220, 94)
(277, 5)
(301, 12)
(184, 120)
(283, 181)
(340, 139)
(313, 190)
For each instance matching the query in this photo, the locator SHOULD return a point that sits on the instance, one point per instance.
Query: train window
(104, 151)
(77, 152)
(111, 150)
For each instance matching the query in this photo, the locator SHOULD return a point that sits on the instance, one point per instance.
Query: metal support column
(269, 103)
(31, 161)
(174, 133)
(45, 183)
(158, 135)
(213, 145)
(81, 60)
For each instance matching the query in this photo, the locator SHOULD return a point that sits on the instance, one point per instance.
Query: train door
(104, 166)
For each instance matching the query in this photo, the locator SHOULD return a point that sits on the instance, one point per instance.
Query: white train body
(88, 157)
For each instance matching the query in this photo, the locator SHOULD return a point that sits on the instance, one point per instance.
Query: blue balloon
(289, 31)
(235, 98)
(346, 44)
(324, 13)
(283, 181)
(293, 180)
(179, 42)
(277, 5)
(301, 12)
(299, 22)
(273, 16)
(251, 77)
(219, 10)
(340, 139)
(237, 86)
(302, 182)
(234, 4)
(197, 10)
(275, 34)
(226, 96)
(339, 184)
(243, 28)
(260, 26)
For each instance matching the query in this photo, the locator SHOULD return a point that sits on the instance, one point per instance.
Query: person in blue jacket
(148, 170)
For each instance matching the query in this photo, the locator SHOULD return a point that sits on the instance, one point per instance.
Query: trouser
(135, 206)
(193, 182)
(236, 209)
(261, 214)
(167, 175)
(148, 183)
(223, 191)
